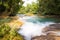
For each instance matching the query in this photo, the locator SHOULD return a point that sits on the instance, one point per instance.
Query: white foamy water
(30, 29)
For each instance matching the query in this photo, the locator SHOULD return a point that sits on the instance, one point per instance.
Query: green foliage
(11, 7)
(8, 33)
(49, 7)
(30, 8)
(13, 35)
(4, 29)
(22, 10)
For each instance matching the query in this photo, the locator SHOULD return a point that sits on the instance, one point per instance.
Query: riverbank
(48, 16)
(15, 23)
(11, 21)
(9, 27)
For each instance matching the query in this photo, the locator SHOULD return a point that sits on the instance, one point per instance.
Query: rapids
(33, 26)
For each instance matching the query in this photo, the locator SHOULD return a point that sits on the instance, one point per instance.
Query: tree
(49, 7)
(10, 7)
(30, 8)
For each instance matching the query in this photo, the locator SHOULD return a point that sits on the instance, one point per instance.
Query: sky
(28, 1)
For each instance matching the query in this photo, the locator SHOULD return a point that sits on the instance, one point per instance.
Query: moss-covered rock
(6, 33)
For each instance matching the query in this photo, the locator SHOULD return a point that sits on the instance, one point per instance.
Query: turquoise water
(43, 20)
(33, 26)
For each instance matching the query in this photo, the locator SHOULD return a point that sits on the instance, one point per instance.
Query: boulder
(52, 33)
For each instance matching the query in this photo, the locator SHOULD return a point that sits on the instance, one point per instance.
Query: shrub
(49, 7)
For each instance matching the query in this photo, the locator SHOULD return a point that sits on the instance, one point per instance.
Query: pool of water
(33, 26)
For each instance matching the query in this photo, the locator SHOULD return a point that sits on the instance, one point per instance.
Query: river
(34, 25)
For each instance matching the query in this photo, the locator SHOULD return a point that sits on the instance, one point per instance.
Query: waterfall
(30, 28)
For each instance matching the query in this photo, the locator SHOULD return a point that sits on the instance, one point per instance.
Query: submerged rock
(52, 33)
(44, 37)
(15, 24)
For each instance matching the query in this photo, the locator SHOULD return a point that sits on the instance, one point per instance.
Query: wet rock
(44, 37)
(15, 24)
(52, 27)
(52, 33)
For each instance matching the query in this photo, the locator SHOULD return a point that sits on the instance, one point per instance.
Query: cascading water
(32, 27)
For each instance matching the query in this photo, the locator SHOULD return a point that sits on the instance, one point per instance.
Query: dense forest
(49, 7)
(44, 7)
(8, 7)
